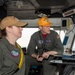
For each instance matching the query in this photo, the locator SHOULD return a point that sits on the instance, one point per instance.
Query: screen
(64, 23)
(65, 40)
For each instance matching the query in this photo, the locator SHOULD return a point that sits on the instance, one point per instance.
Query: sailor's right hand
(39, 58)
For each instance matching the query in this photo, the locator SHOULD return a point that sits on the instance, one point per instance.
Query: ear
(40, 27)
(8, 29)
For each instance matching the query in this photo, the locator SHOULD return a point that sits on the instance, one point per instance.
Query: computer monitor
(65, 40)
(65, 24)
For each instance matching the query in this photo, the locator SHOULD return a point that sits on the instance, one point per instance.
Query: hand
(45, 55)
(39, 58)
(53, 52)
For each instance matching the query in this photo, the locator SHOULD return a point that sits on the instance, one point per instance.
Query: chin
(20, 36)
(48, 32)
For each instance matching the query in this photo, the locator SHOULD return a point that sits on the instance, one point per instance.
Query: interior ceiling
(29, 9)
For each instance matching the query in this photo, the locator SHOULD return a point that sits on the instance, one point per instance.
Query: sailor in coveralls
(12, 61)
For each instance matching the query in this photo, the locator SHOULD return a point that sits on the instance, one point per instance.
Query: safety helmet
(44, 21)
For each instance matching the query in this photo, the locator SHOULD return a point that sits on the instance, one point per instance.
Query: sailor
(43, 45)
(12, 61)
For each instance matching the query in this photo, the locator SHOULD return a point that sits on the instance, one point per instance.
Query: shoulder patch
(58, 36)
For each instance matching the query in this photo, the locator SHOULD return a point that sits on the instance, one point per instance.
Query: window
(27, 32)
